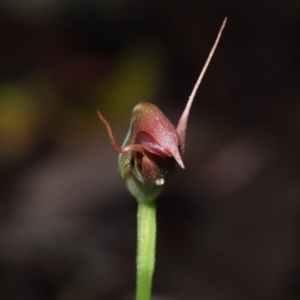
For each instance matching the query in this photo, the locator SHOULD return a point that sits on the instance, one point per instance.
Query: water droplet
(159, 181)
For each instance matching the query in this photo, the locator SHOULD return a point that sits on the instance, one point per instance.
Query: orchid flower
(153, 147)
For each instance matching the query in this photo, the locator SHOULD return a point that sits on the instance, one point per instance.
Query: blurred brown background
(229, 224)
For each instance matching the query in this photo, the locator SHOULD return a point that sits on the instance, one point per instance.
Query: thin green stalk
(146, 237)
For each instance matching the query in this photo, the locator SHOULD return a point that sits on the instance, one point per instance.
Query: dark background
(228, 225)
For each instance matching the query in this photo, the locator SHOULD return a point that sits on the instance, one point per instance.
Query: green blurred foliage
(21, 114)
(135, 74)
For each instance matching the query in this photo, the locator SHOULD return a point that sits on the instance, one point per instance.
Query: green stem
(146, 236)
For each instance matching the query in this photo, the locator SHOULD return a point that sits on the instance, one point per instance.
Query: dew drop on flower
(159, 181)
